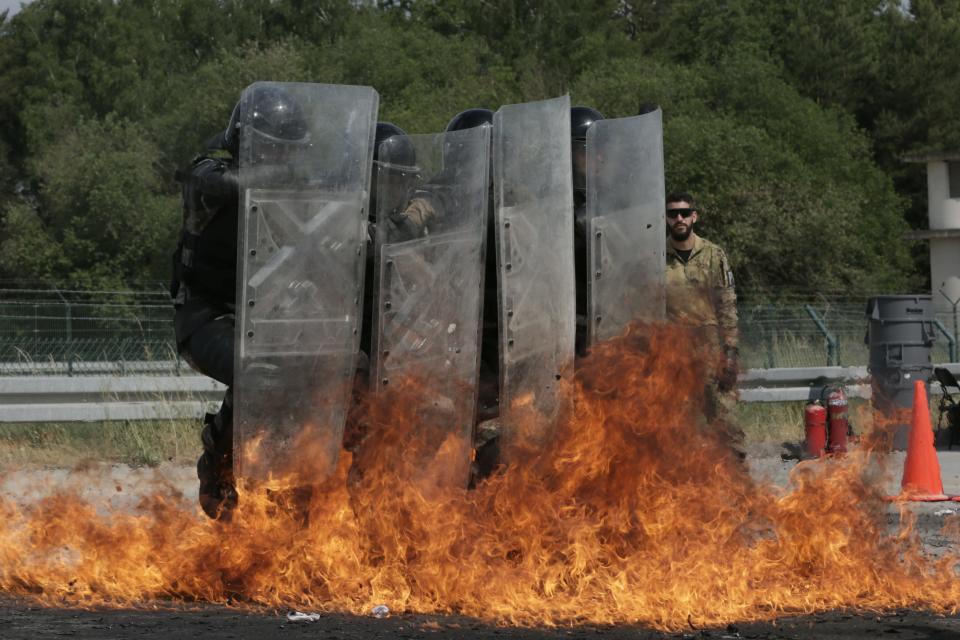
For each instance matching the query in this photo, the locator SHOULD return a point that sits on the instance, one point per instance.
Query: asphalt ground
(21, 621)
(116, 486)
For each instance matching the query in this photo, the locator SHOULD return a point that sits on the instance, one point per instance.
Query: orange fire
(637, 512)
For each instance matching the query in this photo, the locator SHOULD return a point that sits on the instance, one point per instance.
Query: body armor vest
(203, 284)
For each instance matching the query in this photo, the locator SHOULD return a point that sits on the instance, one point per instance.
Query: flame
(637, 511)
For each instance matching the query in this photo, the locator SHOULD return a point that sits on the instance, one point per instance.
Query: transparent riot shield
(626, 234)
(430, 244)
(304, 179)
(534, 215)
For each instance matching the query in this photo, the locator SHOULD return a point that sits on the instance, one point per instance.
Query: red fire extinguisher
(815, 425)
(839, 423)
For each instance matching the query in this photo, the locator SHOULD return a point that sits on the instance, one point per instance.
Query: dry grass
(149, 443)
(142, 443)
(771, 422)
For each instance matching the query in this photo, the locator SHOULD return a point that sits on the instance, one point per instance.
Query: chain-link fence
(77, 332)
(818, 333)
(74, 332)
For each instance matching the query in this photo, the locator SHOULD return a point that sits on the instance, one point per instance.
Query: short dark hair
(683, 197)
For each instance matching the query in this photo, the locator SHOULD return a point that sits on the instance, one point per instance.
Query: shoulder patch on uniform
(725, 267)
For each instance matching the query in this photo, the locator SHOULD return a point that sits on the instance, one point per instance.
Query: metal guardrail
(106, 398)
(801, 383)
(807, 383)
(101, 367)
(99, 398)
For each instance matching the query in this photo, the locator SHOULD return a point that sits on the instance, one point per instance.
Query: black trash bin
(900, 335)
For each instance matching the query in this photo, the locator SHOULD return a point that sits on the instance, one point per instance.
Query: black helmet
(469, 119)
(647, 107)
(274, 115)
(395, 170)
(580, 120)
(399, 148)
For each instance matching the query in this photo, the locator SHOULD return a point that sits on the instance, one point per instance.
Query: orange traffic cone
(921, 470)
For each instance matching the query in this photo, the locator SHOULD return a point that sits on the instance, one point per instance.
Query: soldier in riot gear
(581, 119)
(407, 211)
(204, 274)
(537, 307)
(618, 192)
(489, 356)
(394, 174)
(488, 401)
(391, 182)
(411, 211)
(427, 227)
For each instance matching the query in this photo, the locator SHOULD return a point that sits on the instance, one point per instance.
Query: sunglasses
(686, 213)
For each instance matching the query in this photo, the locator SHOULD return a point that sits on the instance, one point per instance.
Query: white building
(943, 210)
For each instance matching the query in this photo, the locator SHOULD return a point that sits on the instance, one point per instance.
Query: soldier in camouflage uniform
(700, 293)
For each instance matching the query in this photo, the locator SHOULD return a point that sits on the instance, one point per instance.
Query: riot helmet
(581, 119)
(276, 118)
(392, 145)
(647, 107)
(394, 169)
(452, 150)
(470, 118)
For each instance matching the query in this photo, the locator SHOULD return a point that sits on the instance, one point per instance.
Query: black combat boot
(218, 494)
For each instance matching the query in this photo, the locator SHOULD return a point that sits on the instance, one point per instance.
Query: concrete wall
(943, 210)
(944, 272)
(944, 213)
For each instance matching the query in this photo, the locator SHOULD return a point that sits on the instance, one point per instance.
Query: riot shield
(534, 232)
(626, 234)
(430, 244)
(300, 273)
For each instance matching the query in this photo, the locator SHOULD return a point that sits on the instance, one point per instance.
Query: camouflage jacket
(700, 292)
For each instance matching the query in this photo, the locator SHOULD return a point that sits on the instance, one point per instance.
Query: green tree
(788, 187)
(423, 78)
(788, 118)
(100, 217)
(547, 43)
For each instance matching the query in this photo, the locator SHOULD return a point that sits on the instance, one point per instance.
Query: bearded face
(680, 220)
